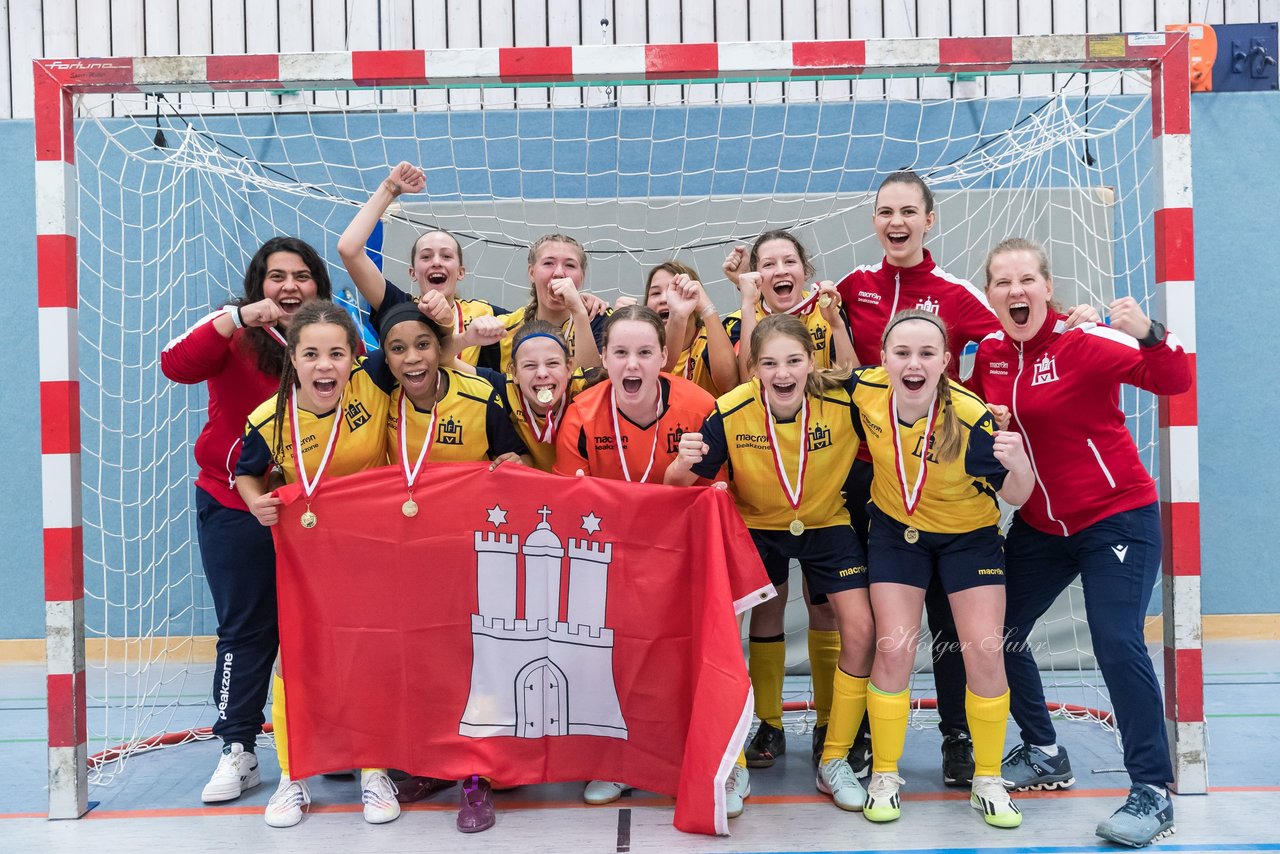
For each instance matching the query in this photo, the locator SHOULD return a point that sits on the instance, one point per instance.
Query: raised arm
(842, 352)
(369, 280)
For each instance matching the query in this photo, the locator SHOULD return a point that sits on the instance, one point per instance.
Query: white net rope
(167, 227)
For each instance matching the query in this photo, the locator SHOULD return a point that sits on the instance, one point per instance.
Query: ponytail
(949, 432)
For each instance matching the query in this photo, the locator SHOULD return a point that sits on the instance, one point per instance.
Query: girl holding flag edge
(795, 418)
(327, 419)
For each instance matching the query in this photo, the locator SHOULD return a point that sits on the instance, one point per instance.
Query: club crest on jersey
(1045, 371)
(928, 304)
(819, 337)
(449, 432)
(673, 438)
(819, 437)
(357, 416)
(535, 674)
(920, 445)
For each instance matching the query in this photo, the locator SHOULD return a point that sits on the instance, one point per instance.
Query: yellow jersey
(956, 496)
(819, 331)
(470, 424)
(361, 442)
(737, 433)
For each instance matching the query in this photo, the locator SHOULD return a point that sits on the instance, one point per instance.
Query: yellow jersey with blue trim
(819, 330)
(529, 426)
(956, 496)
(736, 434)
(361, 442)
(693, 364)
(514, 320)
(464, 311)
(470, 424)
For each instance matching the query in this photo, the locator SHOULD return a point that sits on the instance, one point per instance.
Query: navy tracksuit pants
(240, 565)
(1117, 560)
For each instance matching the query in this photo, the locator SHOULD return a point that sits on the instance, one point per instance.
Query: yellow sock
(278, 723)
(742, 759)
(824, 660)
(888, 714)
(847, 708)
(988, 717)
(767, 665)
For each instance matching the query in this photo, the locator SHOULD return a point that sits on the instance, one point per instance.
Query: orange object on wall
(1204, 50)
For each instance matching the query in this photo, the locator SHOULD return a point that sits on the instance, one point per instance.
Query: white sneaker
(991, 797)
(883, 803)
(603, 792)
(236, 774)
(379, 796)
(836, 778)
(286, 805)
(737, 788)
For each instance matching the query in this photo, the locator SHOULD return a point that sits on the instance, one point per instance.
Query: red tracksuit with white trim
(1092, 513)
(237, 552)
(871, 296)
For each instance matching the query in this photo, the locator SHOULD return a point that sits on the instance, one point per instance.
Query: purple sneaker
(475, 811)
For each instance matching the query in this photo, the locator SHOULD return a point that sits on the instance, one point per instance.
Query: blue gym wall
(1236, 187)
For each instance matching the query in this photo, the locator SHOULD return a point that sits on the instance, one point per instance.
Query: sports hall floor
(155, 805)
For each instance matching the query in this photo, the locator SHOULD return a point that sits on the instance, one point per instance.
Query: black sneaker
(766, 746)
(819, 741)
(860, 757)
(957, 759)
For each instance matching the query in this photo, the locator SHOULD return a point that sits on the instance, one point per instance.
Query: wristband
(709, 311)
(233, 311)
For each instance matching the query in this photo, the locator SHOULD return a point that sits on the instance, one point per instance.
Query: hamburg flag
(521, 626)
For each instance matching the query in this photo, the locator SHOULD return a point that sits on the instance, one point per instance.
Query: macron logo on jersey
(1120, 551)
(1045, 371)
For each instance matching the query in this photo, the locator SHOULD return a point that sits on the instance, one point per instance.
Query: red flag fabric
(522, 626)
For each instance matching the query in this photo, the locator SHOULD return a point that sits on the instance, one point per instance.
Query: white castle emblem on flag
(539, 675)
(1045, 371)
(928, 304)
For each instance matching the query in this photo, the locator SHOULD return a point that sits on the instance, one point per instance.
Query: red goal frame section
(1164, 55)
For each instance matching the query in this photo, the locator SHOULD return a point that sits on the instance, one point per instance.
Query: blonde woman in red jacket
(1093, 513)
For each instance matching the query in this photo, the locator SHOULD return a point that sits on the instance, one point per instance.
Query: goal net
(176, 190)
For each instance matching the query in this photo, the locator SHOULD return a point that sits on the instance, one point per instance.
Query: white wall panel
(193, 27)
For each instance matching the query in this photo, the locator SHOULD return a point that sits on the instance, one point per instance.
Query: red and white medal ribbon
(617, 437)
(547, 434)
(411, 475)
(460, 326)
(275, 333)
(793, 494)
(803, 307)
(911, 500)
(309, 484)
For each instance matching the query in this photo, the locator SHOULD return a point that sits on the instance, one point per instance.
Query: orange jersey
(586, 439)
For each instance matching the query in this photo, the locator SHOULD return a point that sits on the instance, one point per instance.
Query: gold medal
(545, 396)
(308, 519)
(911, 535)
(409, 508)
(796, 527)
(824, 301)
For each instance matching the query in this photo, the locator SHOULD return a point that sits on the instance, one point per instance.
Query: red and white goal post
(1006, 128)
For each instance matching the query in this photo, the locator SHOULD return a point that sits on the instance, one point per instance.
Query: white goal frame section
(1163, 55)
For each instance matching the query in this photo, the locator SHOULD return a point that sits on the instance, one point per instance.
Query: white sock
(1047, 749)
(1159, 790)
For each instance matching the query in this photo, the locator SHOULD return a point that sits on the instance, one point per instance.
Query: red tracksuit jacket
(873, 295)
(236, 387)
(1063, 388)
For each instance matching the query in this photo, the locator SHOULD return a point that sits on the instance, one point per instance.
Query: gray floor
(154, 802)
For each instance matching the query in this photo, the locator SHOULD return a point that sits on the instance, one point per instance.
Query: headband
(927, 317)
(531, 335)
(400, 313)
